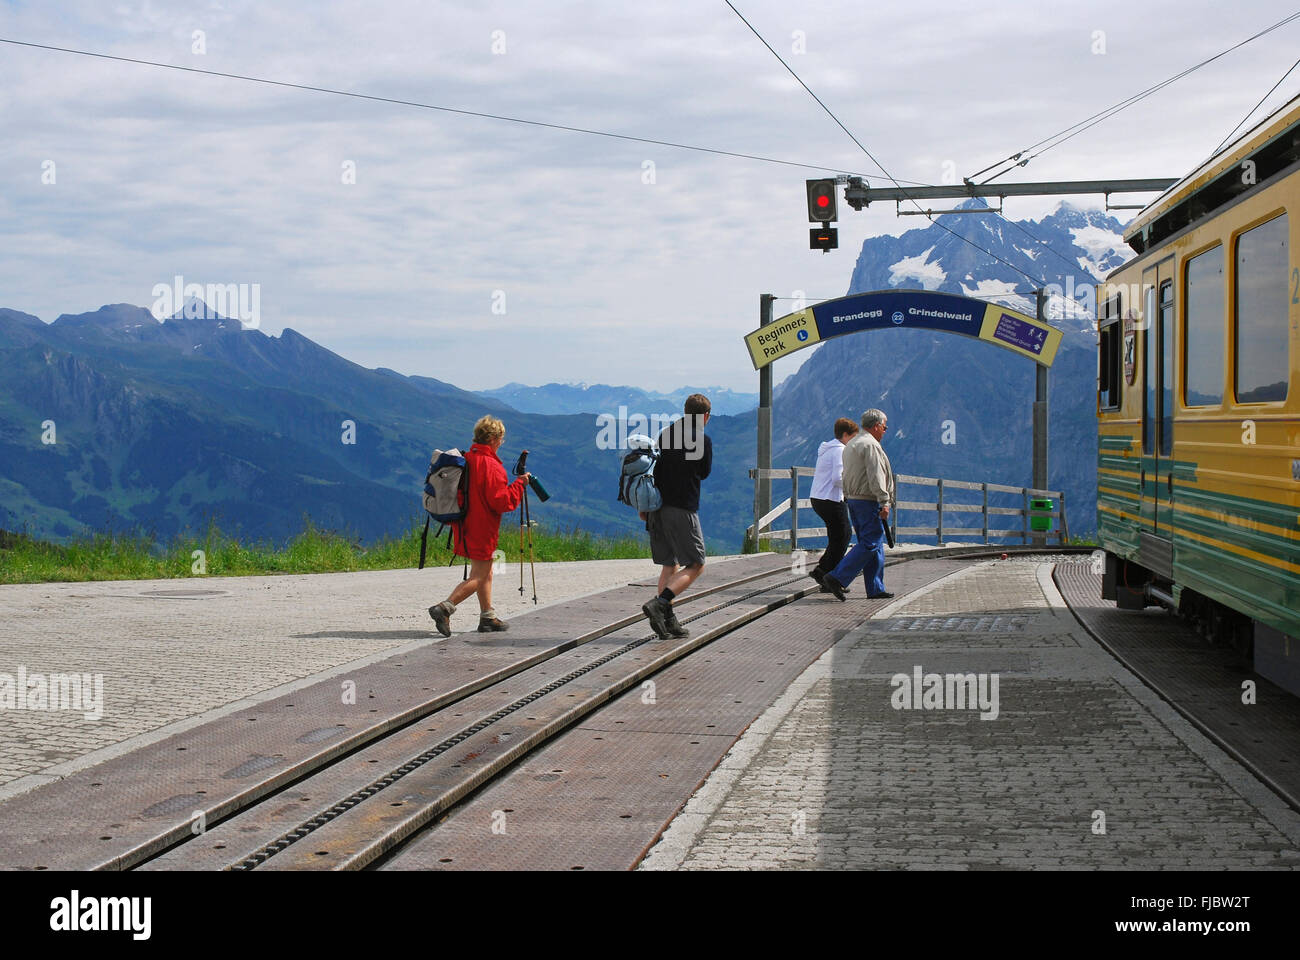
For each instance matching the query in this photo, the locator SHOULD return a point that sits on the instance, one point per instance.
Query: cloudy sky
(613, 261)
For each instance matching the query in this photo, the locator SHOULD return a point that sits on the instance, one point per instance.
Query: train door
(1159, 316)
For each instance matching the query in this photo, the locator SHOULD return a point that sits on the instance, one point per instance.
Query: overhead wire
(873, 159)
(555, 126)
(1111, 112)
(1251, 111)
(1113, 109)
(431, 106)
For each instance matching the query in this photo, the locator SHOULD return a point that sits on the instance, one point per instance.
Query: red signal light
(821, 200)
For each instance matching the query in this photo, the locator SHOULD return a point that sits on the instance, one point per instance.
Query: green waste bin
(1040, 524)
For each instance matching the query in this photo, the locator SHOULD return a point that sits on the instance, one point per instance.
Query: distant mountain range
(159, 426)
(601, 398)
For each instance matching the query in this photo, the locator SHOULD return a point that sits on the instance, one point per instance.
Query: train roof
(1273, 144)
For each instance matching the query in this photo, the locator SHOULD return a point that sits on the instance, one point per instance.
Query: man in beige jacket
(869, 494)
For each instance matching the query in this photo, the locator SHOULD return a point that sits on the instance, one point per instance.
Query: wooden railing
(793, 504)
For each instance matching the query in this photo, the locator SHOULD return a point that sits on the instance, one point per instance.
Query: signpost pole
(763, 485)
(1040, 418)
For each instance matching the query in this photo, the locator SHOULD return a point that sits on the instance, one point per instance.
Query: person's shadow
(365, 635)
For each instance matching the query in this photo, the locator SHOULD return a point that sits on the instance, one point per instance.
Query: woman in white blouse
(828, 498)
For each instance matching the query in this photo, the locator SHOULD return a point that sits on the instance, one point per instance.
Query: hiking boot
(491, 624)
(657, 611)
(674, 625)
(442, 617)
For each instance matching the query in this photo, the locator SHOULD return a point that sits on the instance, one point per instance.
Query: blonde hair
(488, 428)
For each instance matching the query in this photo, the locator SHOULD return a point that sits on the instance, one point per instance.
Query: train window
(1110, 338)
(1262, 295)
(1204, 307)
(1166, 368)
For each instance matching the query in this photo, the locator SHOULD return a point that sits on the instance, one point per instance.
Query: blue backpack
(636, 481)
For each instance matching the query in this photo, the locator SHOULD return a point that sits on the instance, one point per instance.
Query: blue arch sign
(895, 309)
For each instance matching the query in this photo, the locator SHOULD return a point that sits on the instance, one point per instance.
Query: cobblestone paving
(833, 776)
(166, 657)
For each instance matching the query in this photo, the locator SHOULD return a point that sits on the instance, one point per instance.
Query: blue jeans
(868, 554)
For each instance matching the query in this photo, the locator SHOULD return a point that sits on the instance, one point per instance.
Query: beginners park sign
(918, 309)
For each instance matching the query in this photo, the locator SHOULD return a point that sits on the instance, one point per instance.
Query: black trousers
(838, 532)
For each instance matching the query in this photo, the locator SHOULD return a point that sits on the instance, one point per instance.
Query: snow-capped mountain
(958, 408)
(1069, 243)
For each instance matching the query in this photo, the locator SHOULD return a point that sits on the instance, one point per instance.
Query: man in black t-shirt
(676, 540)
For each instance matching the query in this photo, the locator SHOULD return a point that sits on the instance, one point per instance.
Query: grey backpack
(446, 493)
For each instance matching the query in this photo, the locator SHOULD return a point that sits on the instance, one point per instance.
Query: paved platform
(599, 795)
(1204, 680)
(585, 798)
(174, 654)
(1083, 766)
(177, 653)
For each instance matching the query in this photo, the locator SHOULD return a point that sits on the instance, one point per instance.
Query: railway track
(351, 808)
(1202, 681)
(398, 783)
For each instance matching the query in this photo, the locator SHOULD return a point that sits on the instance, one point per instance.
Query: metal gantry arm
(858, 195)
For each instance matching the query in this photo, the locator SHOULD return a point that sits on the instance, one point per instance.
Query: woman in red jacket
(476, 537)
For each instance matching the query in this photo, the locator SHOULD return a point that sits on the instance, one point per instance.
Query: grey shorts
(675, 537)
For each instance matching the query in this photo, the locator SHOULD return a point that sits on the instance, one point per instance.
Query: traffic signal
(823, 238)
(821, 201)
(856, 194)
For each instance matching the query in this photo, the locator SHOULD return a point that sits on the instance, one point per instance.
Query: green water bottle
(538, 489)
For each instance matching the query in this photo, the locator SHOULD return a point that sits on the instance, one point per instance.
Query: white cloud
(1101, 246)
(163, 173)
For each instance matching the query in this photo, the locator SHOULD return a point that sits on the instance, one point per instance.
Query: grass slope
(141, 557)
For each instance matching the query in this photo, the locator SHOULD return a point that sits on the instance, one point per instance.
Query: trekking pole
(529, 521)
(519, 468)
(521, 556)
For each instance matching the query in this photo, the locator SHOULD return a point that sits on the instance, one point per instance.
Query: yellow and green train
(1198, 401)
